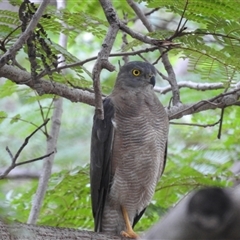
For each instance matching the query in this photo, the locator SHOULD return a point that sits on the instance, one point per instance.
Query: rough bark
(19, 231)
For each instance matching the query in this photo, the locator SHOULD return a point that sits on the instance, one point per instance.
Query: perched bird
(209, 213)
(128, 150)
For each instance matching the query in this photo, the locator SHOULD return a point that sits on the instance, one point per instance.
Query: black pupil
(136, 72)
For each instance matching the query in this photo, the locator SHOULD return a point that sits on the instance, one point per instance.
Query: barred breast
(141, 128)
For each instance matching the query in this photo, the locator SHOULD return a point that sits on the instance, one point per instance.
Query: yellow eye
(136, 72)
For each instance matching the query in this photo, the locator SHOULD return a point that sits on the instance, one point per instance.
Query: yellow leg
(129, 233)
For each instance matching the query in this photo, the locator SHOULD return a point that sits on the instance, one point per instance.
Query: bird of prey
(128, 150)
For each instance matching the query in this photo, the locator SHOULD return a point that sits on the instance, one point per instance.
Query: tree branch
(121, 54)
(191, 85)
(15, 157)
(21, 77)
(102, 60)
(221, 101)
(22, 39)
(20, 231)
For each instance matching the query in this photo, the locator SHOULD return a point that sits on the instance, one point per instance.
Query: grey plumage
(210, 213)
(128, 150)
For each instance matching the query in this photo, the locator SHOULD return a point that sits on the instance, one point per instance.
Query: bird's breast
(138, 149)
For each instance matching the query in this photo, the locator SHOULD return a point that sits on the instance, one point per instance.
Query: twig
(195, 124)
(81, 63)
(102, 60)
(23, 120)
(124, 40)
(220, 125)
(180, 28)
(21, 40)
(27, 139)
(34, 159)
(15, 157)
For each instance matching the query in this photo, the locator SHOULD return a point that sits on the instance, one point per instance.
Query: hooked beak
(152, 81)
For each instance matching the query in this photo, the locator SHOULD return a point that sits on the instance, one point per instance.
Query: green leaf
(15, 118)
(3, 116)
(7, 89)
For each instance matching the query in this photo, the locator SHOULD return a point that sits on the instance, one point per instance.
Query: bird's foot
(129, 234)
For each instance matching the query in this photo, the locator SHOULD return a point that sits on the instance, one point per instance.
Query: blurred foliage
(196, 157)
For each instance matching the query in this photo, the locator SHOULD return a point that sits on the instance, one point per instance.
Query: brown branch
(180, 28)
(202, 32)
(81, 63)
(15, 157)
(20, 231)
(190, 85)
(35, 159)
(221, 101)
(22, 77)
(195, 124)
(102, 60)
(220, 125)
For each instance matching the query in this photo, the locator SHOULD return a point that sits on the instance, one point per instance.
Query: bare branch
(22, 173)
(21, 77)
(102, 60)
(140, 14)
(220, 101)
(21, 40)
(220, 125)
(191, 85)
(172, 79)
(35, 159)
(195, 124)
(15, 157)
(81, 63)
(180, 28)
(124, 40)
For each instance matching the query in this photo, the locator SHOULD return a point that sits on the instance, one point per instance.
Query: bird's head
(136, 75)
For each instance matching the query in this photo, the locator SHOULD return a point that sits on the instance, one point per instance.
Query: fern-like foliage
(207, 33)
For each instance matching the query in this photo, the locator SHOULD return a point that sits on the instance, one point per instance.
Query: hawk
(128, 150)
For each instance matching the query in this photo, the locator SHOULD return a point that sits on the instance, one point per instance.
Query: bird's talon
(129, 234)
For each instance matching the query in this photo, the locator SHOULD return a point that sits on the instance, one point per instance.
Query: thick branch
(102, 60)
(21, 40)
(77, 95)
(19, 231)
(21, 77)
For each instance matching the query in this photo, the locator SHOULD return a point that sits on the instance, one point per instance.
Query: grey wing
(100, 165)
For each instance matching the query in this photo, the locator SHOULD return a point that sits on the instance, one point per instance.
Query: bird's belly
(135, 179)
(137, 161)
